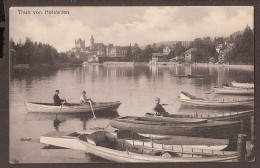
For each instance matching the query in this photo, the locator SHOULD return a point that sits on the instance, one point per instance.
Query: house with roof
(189, 54)
(223, 49)
(158, 57)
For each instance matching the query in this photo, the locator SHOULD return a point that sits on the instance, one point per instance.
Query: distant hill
(169, 43)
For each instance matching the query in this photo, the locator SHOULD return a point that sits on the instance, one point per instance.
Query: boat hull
(243, 85)
(73, 108)
(127, 156)
(62, 139)
(234, 116)
(234, 91)
(213, 129)
(216, 104)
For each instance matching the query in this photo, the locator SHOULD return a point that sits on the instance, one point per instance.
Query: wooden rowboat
(177, 120)
(210, 129)
(70, 108)
(178, 143)
(188, 76)
(234, 90)
(108, 146)
(233, 116)
(243, 85)
(189, 100)
(66, 139)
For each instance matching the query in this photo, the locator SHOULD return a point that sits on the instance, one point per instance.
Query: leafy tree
(147, 52)
(205, 49)
(136, 51)
(243, 51)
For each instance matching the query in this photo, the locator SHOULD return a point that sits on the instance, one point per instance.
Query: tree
(136, 51)
(129, 54)
(147, 52)
(205, 49)
(243, 51)
(178, 50)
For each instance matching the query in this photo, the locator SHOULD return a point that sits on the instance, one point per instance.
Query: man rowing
(158, 109)
(84, 100)
(57, 100)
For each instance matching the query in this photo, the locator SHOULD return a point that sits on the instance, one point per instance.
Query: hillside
(169, 43)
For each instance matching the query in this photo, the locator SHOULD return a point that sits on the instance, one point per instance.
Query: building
(116, 51)
(223, 50)
(158, 57)
(166, 50)
(189, 54)
(96, 50)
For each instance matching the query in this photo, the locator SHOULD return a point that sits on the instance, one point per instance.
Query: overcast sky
(125, 25)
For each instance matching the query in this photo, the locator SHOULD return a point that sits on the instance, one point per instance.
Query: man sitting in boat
(84, 100)
(57, 100)
(159, 109)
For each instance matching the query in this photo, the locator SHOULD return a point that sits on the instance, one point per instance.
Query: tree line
(242, 50)
(37, 53)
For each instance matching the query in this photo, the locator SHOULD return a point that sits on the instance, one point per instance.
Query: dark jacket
(159, 109)
(57, 100)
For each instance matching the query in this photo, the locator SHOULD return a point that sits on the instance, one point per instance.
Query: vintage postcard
(131, 84)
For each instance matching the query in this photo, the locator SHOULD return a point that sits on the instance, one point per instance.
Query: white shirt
(83, 98)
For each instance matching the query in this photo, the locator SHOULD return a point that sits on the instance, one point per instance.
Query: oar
(30, 140)
(59, 110)
(92, 109)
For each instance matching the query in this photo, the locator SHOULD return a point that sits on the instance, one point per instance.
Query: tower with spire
(91, 41)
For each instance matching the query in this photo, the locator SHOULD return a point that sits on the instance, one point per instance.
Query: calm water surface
(135, 86)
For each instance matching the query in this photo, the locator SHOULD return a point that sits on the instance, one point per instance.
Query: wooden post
(241, 148)
(252, 131)
(242, 127)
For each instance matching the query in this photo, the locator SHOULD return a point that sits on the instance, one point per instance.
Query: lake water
(135, 86)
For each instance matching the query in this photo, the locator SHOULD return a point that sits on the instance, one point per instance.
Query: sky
(127, 25)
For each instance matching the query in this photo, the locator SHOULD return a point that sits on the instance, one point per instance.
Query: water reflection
(62, 118)
(135, 86)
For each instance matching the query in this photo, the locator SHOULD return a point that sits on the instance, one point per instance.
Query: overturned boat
(110, 147)
(187, 99)
(70, 107)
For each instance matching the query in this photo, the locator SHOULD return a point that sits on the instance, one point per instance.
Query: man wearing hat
(57, 100)
(159, 109)
(83, 99)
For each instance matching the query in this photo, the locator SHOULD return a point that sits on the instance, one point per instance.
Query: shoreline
(242, 67)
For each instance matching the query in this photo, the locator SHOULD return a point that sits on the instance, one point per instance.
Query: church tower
(91, 41)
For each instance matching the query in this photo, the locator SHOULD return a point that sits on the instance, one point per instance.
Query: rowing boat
(234, 90)
(188, 76)
(108, 146)
(68, 140)
(233, 116)
(177, 142)
(63, 139)
(242, 85)
(70, 108)
(188, 100)
(210, 129)
(177, 120)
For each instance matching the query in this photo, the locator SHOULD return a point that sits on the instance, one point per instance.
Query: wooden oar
(30, 140)
(90, 103)
(60, 109)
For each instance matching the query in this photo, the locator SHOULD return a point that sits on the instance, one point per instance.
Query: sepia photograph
(105, 84)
